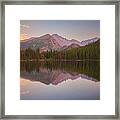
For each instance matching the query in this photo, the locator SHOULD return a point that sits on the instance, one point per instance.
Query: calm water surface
(60, 80)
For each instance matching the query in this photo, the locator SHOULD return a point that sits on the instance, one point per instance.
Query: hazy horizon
(69, 29)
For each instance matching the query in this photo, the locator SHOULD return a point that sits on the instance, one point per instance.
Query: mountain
(73, 45)
(86, 42)
(63, 41)
(54, 77)
(53, 42)
(45, 42)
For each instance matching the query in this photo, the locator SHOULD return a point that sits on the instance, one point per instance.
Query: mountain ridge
(49, 42)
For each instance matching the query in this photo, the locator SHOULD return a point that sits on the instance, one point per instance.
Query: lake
(60, 80)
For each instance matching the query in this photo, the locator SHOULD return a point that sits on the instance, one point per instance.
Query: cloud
(24, 26)
(24, 36)
(91, 34)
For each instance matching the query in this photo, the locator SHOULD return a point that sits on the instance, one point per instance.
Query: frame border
(2, 60)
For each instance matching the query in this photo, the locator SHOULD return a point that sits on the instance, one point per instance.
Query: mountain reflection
(55, 72)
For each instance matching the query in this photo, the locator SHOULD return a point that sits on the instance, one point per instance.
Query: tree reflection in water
(54, 72)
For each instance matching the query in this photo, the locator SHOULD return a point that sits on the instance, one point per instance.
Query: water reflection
(56, 72)
(48, 74)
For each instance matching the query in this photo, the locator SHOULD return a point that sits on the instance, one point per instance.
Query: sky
(69, 29)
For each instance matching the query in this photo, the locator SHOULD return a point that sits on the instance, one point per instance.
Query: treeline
(91, 51)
